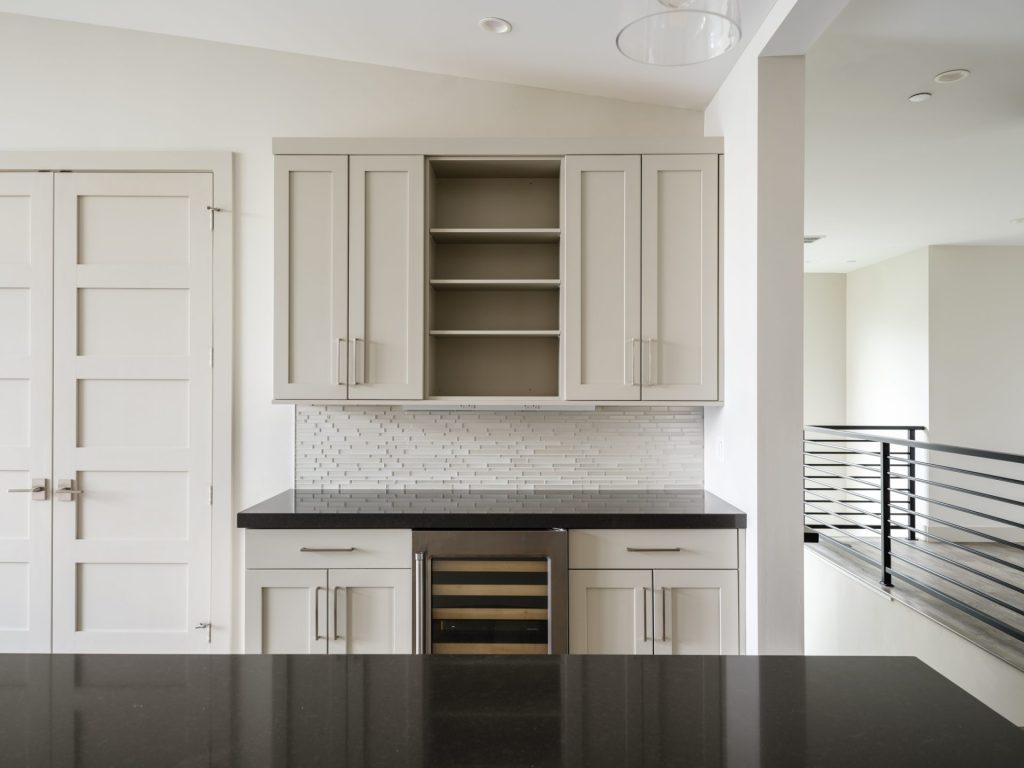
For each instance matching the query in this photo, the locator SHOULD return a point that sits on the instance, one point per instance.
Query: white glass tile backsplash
(373, 447)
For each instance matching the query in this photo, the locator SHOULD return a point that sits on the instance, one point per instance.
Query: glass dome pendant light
(671, 33)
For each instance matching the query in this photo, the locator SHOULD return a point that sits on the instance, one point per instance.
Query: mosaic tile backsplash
(375, 447)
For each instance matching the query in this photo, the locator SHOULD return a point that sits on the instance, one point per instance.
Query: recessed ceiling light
(952, 75)
(496, 25)
(851, 261)
(919, 97)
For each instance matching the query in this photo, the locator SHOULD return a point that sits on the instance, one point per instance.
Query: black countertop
(413, 711)
(492, 510)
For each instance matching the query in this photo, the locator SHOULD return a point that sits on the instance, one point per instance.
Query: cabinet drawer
(340, 548)
(611, 548)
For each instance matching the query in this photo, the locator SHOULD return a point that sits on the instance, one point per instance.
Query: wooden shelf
(503, 235)
(508, 334)
(496, 285)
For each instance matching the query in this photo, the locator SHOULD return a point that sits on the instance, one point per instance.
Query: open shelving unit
(494, 267)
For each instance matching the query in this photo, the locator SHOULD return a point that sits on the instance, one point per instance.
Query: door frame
(225, 634)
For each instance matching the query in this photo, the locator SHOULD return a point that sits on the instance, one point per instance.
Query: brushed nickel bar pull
(650, 366)
(316, 615)
(359, 361)
(632, 361)
(418, 596)
(327, 549)
(654, 549)
(664, 615)
(342, 350)
(646, 635)
(337, 634)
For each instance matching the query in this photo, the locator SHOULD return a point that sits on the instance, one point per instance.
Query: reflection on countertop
(412, 711)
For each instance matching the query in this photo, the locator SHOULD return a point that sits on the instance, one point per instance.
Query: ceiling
(566, 45)
(885, 176)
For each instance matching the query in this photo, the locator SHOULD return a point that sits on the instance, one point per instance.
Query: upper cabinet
(641, 283)
(348, 278)
(497, 278)
(679, 284)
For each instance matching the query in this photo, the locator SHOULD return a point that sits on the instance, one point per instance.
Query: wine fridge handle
(419, 574)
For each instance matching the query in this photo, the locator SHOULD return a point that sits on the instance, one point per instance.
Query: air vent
(808, 239)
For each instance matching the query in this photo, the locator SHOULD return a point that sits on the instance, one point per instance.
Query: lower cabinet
(336, 610)
(660, 611)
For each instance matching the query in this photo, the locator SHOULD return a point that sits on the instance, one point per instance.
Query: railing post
(911, 486)
(886, 518)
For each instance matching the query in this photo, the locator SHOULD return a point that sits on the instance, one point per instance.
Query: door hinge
(213, 209)
(211, 357)
(210, 495)
(209, 630)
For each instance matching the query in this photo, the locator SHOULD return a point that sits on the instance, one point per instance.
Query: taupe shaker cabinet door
(679, 264)
(641, 277)
(311, 344)
(386, 273)
(602, 277)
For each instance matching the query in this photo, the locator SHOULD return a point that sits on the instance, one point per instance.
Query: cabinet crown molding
(366, 145)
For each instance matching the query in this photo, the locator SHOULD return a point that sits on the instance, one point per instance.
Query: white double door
(105, 399)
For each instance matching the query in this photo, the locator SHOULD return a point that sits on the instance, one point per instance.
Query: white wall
(846, 617)
(887, 342)
(71, 86)
(825, 348)
(753, 443)
(976, 341)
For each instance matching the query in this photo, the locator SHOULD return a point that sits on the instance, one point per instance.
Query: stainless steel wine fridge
(490, 592)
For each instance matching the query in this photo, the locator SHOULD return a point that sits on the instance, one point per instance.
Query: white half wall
(79, 87)
(825, 348)
(887, 339)
(846, 617)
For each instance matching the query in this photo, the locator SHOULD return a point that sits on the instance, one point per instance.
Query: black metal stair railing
(943, 519)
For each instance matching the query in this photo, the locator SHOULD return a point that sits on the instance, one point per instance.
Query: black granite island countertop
(492, 510)
(470, 711)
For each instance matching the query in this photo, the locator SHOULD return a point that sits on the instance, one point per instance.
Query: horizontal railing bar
(958, 489)
(960, 585)
(972, 531)
(849, 450)
(840, 503)
(957, 545)
(872, 528)
(850, 493)
(839, 476)
(842, 463)
(848, 477)
(965, 510)
(842, 427)
(928, 534)
(1014, 458)
(961, 470)
(961, 605)
(843, 517)
(916, 547)
(863, 501)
